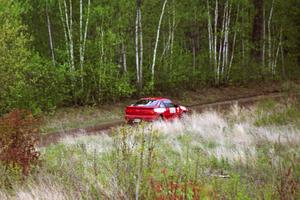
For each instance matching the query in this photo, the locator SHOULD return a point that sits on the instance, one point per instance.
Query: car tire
(160, 118)
(183, 115)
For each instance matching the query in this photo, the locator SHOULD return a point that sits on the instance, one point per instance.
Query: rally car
(152, 109)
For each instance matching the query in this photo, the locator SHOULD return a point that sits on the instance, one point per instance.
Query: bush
(19, 136)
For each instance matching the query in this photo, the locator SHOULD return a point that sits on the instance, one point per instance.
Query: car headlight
(183, 108)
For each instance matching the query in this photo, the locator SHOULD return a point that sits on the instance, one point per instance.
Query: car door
(170, 109)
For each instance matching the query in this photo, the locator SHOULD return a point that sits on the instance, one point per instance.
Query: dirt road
(53, 138)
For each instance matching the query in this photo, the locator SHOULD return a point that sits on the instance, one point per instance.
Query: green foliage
(30, 79)
(27, 81)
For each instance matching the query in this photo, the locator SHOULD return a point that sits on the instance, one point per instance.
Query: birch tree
(270, 39)
(156, 43)
(66, 13)
(139, 44)
(83, 35)
(50, 34)
(219, 37)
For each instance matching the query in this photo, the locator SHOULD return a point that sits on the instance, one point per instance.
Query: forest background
(56, 53)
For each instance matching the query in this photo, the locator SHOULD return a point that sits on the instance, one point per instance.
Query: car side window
(162, 105)
(169, 104)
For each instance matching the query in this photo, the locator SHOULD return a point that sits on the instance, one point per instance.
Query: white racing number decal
(172, 110)
(159, 110)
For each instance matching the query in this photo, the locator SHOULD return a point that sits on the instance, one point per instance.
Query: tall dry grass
(208, 155)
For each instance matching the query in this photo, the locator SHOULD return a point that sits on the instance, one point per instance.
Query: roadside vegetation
(244, 153)
(68, 64)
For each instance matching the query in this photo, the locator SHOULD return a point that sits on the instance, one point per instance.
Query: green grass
(272, 113)
(160, 162)
(70, 118)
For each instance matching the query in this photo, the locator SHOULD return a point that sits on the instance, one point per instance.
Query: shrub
(19, 136)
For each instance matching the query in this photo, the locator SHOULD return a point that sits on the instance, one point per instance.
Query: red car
(151, 109)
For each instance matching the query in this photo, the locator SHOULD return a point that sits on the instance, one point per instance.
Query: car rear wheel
(160, 118)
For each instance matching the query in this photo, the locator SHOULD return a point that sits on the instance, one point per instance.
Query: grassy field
(251, 153)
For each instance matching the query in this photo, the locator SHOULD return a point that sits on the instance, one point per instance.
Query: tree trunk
(233, 45)
(215, 40)
(141, 49)
(65, 32)
(270, 38)
(81, 40)
(264, 38)
(277, 52)
(221, 46)
(69, 28)
(194, 54)
(83, 36)
(156, 43)
(137, 60)
(173, 32)
(50, 34)
(257, 33)
(209, 28)
(124, 59)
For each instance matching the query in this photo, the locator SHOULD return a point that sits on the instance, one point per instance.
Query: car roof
(154, 98)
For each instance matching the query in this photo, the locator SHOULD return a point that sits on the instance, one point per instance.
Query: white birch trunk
(209, 28)
(86, 27)
(216, 39)
(65, 32)
(227, 36)
(157, 39)
(141, 48)
(225, 32)
(124, 57)
(167, 42)
(71, 36)
(264, 38)
(50, 34)
(221, 47)
(83, 35)
(102, 46)
(173, 32)
(277, 52)
(233, 44)
(69, 26)
(270, 38)
(81, 40)
(137, 60)
(282, 61)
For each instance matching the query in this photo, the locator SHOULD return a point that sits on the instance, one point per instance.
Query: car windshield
(169, 104)
(146, 102)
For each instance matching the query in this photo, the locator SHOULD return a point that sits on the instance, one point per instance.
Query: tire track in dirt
(53, 138)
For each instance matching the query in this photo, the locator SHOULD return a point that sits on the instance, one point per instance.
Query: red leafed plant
(171, 188)
(19, 135)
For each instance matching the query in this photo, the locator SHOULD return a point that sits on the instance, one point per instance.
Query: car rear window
(146, 102)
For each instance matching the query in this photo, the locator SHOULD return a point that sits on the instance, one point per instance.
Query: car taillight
(159, 110)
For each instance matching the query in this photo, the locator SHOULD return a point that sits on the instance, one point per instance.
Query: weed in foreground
(19, 137)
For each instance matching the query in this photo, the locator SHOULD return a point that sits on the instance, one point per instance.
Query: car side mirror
(176, 105)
